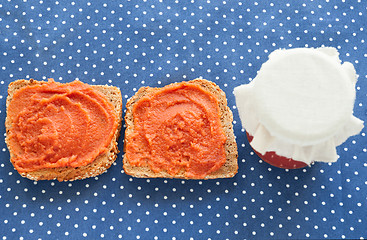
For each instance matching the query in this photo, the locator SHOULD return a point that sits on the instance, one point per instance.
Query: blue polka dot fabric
(131, 44)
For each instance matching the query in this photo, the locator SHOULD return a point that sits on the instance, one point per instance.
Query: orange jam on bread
(59, 125)
(177, 128)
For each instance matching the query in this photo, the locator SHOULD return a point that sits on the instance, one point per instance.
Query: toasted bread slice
(230, 167)
(98, 166)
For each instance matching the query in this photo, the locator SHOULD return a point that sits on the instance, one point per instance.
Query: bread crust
(230, 167)
(98, 166)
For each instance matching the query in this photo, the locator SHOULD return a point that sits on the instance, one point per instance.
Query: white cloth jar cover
(300, 104)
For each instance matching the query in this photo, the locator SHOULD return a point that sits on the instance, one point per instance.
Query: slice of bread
(230, 167)
(98, 166)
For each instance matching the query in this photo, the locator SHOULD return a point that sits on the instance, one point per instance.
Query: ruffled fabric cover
(274, 133)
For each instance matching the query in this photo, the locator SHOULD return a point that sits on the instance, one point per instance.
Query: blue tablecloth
(131, 44)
